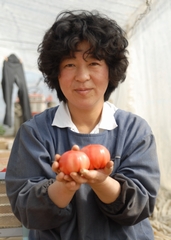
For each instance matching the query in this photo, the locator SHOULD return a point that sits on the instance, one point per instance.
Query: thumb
(109, 167)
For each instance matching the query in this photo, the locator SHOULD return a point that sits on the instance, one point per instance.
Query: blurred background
(145, 92)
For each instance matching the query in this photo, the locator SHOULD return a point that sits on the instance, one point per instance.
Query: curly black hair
(106, 38)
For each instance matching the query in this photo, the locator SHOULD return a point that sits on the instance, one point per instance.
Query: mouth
(83, 91)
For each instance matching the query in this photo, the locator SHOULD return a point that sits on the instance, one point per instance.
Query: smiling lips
(83, 91)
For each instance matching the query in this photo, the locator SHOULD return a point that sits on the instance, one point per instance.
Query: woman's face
(83, 79)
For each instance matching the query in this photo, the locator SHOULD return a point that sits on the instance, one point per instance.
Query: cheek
(63, 79)
(104, 78)
(105, 74)
(65, 84)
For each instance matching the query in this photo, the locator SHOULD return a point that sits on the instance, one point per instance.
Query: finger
(75, 147)
(110, 164)
(57, 157)
(88, 174)
(68, 178)
(71, 184)
(60, 177)
(77, 177)
(55, 164)
(55, 167)
(109, 167)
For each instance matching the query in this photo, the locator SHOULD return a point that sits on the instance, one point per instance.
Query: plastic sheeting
(147, 89)
(23, 23)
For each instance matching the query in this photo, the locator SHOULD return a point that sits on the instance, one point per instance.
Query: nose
(82, 74)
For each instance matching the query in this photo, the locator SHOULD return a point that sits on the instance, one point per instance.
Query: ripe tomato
(98, 155)
(73, 161)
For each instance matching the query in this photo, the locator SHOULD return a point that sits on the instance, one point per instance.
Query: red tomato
(73, 161)
(98, 155)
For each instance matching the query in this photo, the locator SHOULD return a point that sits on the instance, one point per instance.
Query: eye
(69, 65)
(94, 64)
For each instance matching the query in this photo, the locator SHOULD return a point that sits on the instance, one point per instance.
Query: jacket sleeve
(137, 171)
(28, 176)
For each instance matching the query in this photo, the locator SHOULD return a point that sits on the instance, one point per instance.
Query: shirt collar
(62, 118)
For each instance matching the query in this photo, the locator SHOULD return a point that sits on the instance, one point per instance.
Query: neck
(85, 120)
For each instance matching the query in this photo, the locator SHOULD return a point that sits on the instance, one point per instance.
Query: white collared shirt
(62, 118)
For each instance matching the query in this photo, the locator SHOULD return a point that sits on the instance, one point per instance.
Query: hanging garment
(13, 73)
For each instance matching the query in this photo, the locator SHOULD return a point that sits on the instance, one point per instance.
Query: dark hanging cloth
(13, 73)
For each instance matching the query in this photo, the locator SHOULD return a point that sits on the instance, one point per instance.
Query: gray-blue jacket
(133, 150)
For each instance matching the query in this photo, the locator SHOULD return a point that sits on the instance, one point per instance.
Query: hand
(85, 176)
(68, 181)
(93, 176)
(105, 187)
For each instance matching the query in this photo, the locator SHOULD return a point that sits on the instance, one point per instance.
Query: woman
(83, 57)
